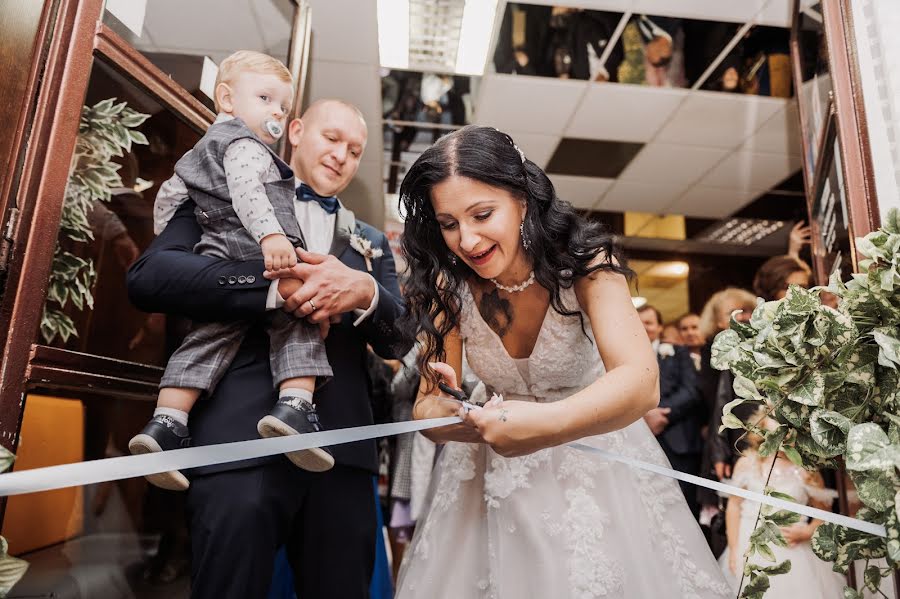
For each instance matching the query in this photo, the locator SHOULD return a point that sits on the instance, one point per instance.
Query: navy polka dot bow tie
(305, 193)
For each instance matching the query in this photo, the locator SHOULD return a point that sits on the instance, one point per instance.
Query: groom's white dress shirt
(317, 227)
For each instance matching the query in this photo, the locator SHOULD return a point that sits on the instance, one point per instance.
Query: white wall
(876, 24)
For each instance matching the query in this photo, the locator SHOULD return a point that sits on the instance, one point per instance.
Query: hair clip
(521, 153)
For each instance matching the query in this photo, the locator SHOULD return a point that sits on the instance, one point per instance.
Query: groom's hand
(329, 287)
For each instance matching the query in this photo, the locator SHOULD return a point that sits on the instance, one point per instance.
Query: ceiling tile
(719, 120)
(345, 30)
(610, 5)
(780, 134)
(751, 171)
(186, 27)
(623, 112)
(711, 202)
(592, 158)
(276, 20)
(537, 148)
(674, 164)
(581, 192)
(778, 13)
(527, 104)
(631, 196)
(707, 10)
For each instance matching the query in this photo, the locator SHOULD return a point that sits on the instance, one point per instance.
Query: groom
(240, 514)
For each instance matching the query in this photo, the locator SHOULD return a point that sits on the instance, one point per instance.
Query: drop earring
(526, 243)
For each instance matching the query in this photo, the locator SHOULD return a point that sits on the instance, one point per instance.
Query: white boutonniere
(666, 350)
(364, 247)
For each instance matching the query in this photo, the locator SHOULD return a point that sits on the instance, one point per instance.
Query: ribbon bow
(329, 204)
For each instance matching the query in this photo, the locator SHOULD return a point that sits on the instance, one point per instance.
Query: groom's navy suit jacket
(170, 278)
(678, 391)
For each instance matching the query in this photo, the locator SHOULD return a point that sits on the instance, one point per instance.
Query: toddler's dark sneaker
(163, 433)
(296, 416)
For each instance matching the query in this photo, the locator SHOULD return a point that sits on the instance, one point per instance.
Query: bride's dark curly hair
(562, 247)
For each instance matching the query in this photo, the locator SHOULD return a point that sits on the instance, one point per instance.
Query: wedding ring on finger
(312, 305)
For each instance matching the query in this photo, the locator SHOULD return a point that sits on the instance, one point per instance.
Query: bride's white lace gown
(560, 523)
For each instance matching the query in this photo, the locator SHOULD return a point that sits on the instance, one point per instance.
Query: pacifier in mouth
(274, 128)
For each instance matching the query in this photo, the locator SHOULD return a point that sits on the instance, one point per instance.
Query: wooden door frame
(78, 36)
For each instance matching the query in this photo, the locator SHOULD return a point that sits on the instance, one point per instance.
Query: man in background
(676, 421)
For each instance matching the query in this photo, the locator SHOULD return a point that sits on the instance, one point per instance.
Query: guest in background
(670, 334)
(715, 385)
(676, 421)
(403, 389)
(776, 274)
(809, 576)
(716, 390)
(653, 50)
(691, 337)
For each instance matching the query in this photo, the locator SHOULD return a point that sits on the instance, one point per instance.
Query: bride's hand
(441, 405)
(516, 428)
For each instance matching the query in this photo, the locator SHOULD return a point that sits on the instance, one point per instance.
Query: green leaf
(138, 137)
(766, 552)
(725, 349)
(829, 429)
(12, 569)
(6, 459)
(785, 517)
(756, 586)
(892, 526)
(782, 568)
(773, 441)
(888, 346)
(876, 488)
(872, 578)
(810, 392)
(850, 593)
(744, 388)
(868, 448)
(780, 495)
(793, 455)
(825, 541)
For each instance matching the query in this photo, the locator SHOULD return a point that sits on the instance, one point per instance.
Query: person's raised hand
(799, 237)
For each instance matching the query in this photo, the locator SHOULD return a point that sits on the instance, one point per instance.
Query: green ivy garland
(829, 378)
(105, 130)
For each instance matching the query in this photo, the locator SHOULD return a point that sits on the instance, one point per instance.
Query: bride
(535, 294)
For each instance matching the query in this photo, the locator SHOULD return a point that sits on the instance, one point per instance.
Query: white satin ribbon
(847, 521)
(98, 471)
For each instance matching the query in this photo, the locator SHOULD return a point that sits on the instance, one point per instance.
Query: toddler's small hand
(278, 252)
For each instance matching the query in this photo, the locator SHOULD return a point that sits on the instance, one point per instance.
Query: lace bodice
(559, 522)
(564, 360)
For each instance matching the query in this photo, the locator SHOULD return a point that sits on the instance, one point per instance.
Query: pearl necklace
(515, 288)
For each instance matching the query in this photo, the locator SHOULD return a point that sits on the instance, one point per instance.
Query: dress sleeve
(247, 164)
(819, 496)
(743, 474)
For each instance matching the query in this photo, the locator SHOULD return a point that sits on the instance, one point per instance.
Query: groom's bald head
(328, 142)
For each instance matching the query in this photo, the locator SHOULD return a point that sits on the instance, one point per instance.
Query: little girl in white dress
(809, 576)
